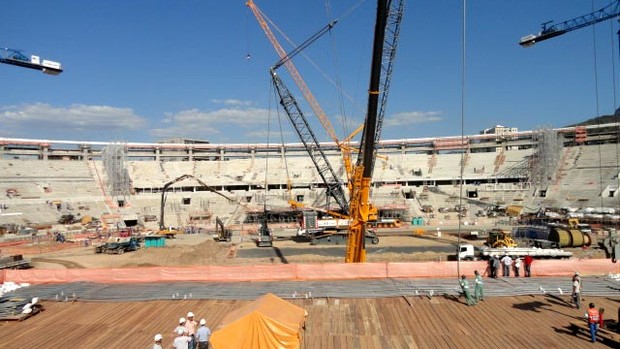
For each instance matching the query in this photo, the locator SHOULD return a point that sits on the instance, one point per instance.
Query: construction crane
(301, 125)
(610, 244)
(16, 57)
(361, 210)
(285, 59)
(550, 30)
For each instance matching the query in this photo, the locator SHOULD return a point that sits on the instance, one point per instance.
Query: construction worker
(593, 320)
(158, 339)
(465, 287)
(576, 294)
(182, 340)
(181, 326)
(190, 324)
(203, 335)
(527, 262)
(478, 288)
(507, 263)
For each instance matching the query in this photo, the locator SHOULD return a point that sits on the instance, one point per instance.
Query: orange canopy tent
(268, 322)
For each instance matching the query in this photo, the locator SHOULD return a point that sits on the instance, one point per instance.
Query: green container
(154, 241)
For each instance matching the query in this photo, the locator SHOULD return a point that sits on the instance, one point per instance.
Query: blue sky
(142, 71)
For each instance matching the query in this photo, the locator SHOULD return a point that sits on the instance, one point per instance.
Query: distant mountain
(603, 119)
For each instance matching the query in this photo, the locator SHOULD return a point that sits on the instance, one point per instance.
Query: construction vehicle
(17, 58)
(16, 261)
(498, 238)
(170, 232)
(470, 252)
(372, 126)
(222, 233)
(328, 230)
(118, 245)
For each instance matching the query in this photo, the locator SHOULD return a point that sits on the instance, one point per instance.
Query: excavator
(390, 14)
(264, 233)
(223, 234)
(170, 232)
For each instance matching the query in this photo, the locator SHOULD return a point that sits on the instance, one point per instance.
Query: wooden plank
(499, 322)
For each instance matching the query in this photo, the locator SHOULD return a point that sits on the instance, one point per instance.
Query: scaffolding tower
(115, 167)
(546, 159)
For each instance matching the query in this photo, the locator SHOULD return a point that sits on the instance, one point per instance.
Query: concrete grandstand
(40, 180)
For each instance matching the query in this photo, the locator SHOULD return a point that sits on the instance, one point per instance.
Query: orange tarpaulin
(268, 322)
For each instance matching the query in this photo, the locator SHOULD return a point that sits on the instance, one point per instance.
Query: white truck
(471, 252)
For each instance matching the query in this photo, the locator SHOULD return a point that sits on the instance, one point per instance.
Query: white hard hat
(27, 311)
(181, 320)
(34, 300)
(158, 337)
(190, 314)
(203, 322)
(180, 331)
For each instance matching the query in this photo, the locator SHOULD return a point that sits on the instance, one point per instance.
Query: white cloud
(232, 102)
(194, 123)
(414, 117)
(75, 118)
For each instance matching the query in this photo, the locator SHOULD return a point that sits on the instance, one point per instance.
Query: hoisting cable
(615, 106)
(247, 36)
(314, 64)
(338, 81)
(598, 114)
(463, 66)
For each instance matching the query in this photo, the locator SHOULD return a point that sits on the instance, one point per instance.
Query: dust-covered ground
(202, 249)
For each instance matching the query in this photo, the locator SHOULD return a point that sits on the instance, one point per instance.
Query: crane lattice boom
(550, 31)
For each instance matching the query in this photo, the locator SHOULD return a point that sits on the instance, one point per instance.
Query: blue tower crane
(16, 57)
(550, 30)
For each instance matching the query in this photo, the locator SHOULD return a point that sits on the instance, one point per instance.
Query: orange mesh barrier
(281, 272)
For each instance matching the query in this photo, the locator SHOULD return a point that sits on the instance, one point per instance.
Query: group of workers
(189, 334)
(507, 263)
(478, 288)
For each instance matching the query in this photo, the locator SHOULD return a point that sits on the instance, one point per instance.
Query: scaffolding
(115, 166)
(546, 159)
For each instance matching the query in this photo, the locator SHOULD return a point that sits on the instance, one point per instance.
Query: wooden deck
(412, 322)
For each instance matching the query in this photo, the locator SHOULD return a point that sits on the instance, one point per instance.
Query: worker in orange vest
(593, 319)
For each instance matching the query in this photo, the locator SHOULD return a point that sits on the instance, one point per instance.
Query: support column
(157, 154)
(190, 153)
(86, 152)
(45, 151)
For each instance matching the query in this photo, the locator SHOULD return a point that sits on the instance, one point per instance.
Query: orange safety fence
(296, 272)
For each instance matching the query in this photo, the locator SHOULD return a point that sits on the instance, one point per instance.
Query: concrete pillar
(157, 153)
(45, 151)
(86, 151)
(190, 153)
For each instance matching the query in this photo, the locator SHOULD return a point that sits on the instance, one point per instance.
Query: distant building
(499, 130)
(183, 141)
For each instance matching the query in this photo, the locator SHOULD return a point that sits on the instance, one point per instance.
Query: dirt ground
(202, 249)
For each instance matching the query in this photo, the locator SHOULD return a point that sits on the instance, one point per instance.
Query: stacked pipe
(569, 237)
